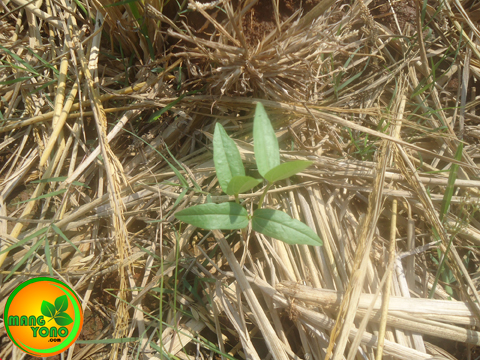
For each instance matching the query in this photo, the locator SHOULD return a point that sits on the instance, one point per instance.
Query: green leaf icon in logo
(61, 303)
(57, 312)
(47, 309)
(63, 319)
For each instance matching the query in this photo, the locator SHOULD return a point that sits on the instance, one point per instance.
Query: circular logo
(43, 317)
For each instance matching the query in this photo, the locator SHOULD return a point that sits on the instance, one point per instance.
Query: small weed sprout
(233, 181)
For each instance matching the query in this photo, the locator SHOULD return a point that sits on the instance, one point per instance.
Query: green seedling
(233, 181)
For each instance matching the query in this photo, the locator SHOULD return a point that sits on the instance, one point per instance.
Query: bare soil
(403, 11)
(260, 19)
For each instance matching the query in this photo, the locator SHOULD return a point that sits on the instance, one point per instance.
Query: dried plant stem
(346, 313)
(388, 284)
(274, 344)
(62, 117)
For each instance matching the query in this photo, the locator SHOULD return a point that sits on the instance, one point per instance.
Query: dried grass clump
(385, 109)
(293, 62)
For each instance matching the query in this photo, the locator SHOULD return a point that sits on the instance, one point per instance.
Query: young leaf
(48, 257)
(279, 225)
(226, 156)
(47, 309)
(44, 196)
(195, 184)
(226, 216)
(26, 240)
(240, 184)
(43, 61)
(28, 67)
(13, 81)
(59, 178)
(43, 86)
(160, 112)
(63, 319)
(24, 258)
(265, 143)
(286, 170)
(110, 341)
(181, 178)
(60, 232)
(61, 303)
(451, 183)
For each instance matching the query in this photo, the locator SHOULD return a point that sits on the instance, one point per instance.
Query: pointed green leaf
(240, 184)
(14, 81)
(28, 67)
(44, 196)
(47, 309)
(451, 183)
(61, 303)
(43, 61)
(181, 178)
(63, 319)
(180, 198)
(265, 143)
(195, 184)
(26, 240)
(25, 258)
(226, 216)
(43, 86)
(60, 232)
(163, 110)
(48, 257)
(109, 341)
(56, 179)
(286, 170)
(279, 225)
(228, 162)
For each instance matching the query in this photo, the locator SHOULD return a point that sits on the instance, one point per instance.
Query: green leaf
(160, 112)
(279, 225)
(180, 198)
(27, 66)
(286, 170)
(43, 61)
(63, 319)
(226, 216)
(47, 309)
(44, 196)
(121, 3)
(228, 162)
(265, 143)
(447, 198)
(14, 81)
(26, 240)
(108, 341)
(240, 184)
(43, 86)
(354, 77)
(56, 179)
(48, 257)
(61, 303)
(24, 258)
(59, 232)
(78, 183)
(180, 177)
(452, 177)
(197, 187)
(53, 179)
